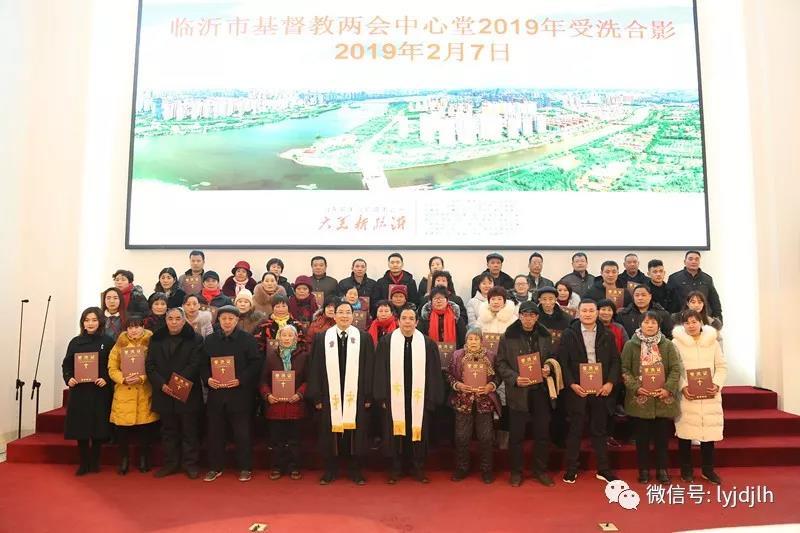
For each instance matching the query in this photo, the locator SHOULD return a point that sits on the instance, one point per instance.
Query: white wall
(65, 151)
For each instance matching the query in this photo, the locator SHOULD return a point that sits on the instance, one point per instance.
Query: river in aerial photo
(249, 158)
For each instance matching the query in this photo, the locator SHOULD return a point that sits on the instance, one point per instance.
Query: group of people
(377, 361)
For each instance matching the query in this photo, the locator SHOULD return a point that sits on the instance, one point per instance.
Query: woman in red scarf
(385, 321)
(133, 300)
(440, 319)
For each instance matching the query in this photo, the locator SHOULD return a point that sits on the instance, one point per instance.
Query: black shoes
(570, 476)
(687, 474)
(124, 464)
(144, 459)
(165, 471)
(358, 478)
(711, 476)
(487, 477)
(82, 470)
(516, 479)
(459, 475)
(544, 479)
(644, 476)
(420, 476)
(327, 478)
(606, 475)
(662, 476)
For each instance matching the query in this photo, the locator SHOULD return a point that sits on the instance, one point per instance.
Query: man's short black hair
(395, 254)
(692, 252)
(316, 257)
(579, 254)
(653, 263)
(197, 252)
(535, 254)
(609, 263)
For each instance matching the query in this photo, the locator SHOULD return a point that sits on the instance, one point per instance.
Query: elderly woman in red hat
(398, 297)
(242, 278)
(303, 304)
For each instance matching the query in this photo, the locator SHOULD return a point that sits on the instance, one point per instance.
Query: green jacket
(651, 407)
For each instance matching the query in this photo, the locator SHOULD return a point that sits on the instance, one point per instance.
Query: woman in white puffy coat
(497, 312)
(700, 419)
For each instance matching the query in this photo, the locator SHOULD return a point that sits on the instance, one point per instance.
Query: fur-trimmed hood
(708, 336)
(506, 314)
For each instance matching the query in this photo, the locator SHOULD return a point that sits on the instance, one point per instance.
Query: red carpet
(41, 498)
(756, 434)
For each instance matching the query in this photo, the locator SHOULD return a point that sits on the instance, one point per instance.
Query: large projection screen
(450, 124)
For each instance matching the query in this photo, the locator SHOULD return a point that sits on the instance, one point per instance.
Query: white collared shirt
(589, 338)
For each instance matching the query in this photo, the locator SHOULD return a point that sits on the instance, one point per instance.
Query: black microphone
(25, 301)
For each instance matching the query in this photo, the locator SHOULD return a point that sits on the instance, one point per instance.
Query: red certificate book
(698, 380)
(132, 361)
(591, 377)
(530, 366)
(320, 297)
(181, 387)
(474, 375)
(617, 296)
(571, 311)
(555, 337)
(364, 302)
(652, 377)
(360, 320)
(223, 369)
(446, 350)
(192, 284)
(273, 344)
(86, 367)
(490, 341)
(283, 386)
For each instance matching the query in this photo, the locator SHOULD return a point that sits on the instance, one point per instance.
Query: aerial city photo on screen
(537, 129)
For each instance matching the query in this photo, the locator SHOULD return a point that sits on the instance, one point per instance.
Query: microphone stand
(36, 384)
(20, 383)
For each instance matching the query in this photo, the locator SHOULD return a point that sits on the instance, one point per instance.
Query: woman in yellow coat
(131, 410)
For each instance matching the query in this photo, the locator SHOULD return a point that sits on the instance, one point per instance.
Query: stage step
(746, 397)
(733, 451)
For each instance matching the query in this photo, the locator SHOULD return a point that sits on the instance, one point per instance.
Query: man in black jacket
(233, 402)
(394, 276)
(631, 316)
(320, 280)
(535, 278)
(579, 280)
(663, 294)
(177, 349)
(527, 402)
(631, 275)
(609, 279)
(494, 265)
(358, 278)
(587, 341)
(691, 278)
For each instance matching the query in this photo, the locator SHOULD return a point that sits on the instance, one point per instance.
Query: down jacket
(700, 419)
(132, 404)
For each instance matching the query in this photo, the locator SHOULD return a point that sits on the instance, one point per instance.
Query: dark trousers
(90, 454)
(596, 408)
(706, 454)
(284, 438)
(217, 433)
(145, 435)
(619, 395)
(657, 431)
(464, 424)
(539, 416)
(179, 434)
(341, 449)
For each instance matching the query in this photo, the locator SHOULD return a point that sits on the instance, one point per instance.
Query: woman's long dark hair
(122, 310)
(704, 312)
(171, 272)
